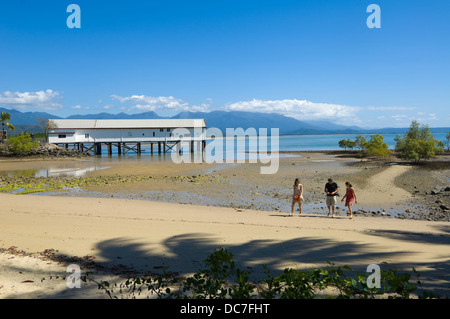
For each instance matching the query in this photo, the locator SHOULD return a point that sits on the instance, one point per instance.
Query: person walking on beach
(331, 188)
(297, 197)
(349, 197)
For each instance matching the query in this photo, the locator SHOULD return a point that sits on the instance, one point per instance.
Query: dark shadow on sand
(184, 254)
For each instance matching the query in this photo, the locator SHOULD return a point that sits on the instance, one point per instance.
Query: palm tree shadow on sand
(184, 254)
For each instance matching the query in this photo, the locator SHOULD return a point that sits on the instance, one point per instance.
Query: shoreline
(188, 183)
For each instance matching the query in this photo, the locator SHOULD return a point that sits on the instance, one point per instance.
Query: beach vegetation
(46, 126)
(347, 144)
(360, 142)
(21, 144)
(376, 146)
(5, 119)
(417, 144)
(222, 279)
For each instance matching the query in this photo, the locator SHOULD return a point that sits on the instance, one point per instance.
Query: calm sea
(237, 150)
(285, 143)
(329, 142)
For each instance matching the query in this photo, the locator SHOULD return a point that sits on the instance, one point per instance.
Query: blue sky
(312, 60)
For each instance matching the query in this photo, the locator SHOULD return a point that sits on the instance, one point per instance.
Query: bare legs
(350, 210)
(299, 207)
(331, 209)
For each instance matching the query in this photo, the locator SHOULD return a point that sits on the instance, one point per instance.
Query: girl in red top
(349, 197)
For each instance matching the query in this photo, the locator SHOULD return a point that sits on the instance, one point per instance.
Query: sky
(310, 60)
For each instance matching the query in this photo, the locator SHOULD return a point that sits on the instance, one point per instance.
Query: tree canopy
(374, 147)
(418, 144)
(5, 119)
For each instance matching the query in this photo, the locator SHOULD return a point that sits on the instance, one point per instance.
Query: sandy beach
(183, 212)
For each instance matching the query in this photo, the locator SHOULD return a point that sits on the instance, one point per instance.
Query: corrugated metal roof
(128, 123)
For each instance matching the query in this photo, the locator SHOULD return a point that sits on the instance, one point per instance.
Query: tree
(343, 143)
(46, 126)
(376, 146)
(5, 118)
(418, 143)
(360, 142)
(346, 143)
(21, 144)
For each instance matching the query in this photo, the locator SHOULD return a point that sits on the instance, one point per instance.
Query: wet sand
(383, 188)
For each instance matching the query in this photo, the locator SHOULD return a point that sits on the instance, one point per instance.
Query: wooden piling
(98, 149)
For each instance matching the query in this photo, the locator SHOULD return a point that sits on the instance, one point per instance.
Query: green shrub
(376, 146)
(21, 144)
(418, 143)
(222, 280)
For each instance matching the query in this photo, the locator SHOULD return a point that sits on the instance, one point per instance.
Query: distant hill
(108, 116)
(27, 121)
(402, 130)
(27, 118)
(234, 119)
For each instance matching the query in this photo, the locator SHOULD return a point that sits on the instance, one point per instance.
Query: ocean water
(285, 143)
(320, 142)
(225, 148)
(249, 147)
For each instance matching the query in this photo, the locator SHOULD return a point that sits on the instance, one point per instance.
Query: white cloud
(41, 100)
(79, 107)
(204, 107)
(428, 117)
(390, 108)
(399, 117)
(150, 103)
(298, 109)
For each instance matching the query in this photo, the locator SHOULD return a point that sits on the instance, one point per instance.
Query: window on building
(153, 133)
(161, 130)
(61, 135)
(168, 130)
(86, 135)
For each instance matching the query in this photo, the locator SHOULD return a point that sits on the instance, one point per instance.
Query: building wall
(122, 135)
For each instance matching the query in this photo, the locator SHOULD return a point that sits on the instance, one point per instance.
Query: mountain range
(28, 121)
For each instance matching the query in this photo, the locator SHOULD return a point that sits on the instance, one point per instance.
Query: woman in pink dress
(349, 197)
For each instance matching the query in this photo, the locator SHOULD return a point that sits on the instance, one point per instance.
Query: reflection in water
(52, 172)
